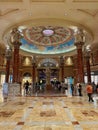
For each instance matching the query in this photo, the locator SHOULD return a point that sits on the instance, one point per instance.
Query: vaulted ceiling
(81, 13)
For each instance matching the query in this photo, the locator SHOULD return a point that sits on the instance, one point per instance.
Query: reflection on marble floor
(49, 113)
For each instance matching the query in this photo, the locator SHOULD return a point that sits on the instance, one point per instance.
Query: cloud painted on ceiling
(32, 48)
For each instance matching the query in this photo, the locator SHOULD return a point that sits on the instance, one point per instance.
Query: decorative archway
(48, 62)
(27, 76)
(48, 70)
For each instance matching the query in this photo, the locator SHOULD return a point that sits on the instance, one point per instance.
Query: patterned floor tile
(49, 113)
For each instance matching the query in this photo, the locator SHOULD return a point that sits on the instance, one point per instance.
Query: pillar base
(14, 89)
(5, 99)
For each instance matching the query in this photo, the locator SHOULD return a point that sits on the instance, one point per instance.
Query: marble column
(80, 61)
(87, 56)
(33, 73)
(62, 72)
(16, 42)
(16, 62)
(48, 75)
(37, 79)
(62, 68)
(7, 70)
(20, 77)
(75, 69)
(8, 55)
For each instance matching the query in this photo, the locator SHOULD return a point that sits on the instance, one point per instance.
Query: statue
(80, 37)
(8, 52)
(48, 75)
(15, 35)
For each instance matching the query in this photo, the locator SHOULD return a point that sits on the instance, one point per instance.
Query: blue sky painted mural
(60, 41)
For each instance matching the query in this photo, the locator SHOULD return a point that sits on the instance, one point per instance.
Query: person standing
(79, 87)
(97, 88)
(30, 88)
(72, 89)
(66, 89)
(5, 91)
(26, 85)
(63, 86)
(89, 90)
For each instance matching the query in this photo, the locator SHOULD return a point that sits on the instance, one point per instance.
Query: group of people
(77, 90)
(66, 88)
(91, 88)
(60, 86)
(63, 87)
(37, 87)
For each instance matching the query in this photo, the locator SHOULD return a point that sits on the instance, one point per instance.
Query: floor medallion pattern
(6, 113)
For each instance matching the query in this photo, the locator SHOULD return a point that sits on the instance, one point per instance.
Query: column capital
(79, 44)
(61, 61)
(17, 44)
(87, 55)
(8, 53)
(15, 38)
(15, 35)
(34, 65)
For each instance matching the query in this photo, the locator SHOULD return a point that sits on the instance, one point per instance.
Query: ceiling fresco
(48, 40)
(65, 13)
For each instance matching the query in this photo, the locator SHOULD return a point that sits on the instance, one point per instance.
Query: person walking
(26, 85)
(89, 90)
(72, 89)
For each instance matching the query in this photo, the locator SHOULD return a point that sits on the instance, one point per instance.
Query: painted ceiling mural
(48, 40)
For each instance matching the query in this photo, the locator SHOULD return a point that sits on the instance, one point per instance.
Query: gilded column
(80, 61)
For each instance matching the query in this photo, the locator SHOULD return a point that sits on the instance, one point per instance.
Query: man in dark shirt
(26, 85)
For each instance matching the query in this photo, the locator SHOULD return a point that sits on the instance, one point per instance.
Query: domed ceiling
(48, 24)
(48, 40)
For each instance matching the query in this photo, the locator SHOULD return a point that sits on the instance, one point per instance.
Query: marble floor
(49, 113)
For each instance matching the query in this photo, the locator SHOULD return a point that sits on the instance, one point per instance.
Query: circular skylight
(48, 32)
